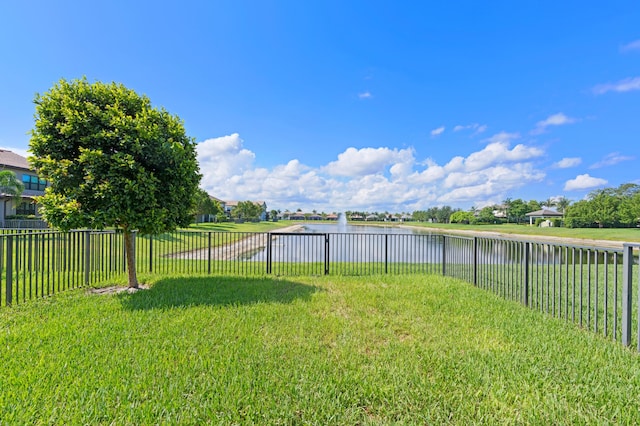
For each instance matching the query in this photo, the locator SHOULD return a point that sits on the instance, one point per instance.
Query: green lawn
(241, 227)
(413, 349)
(618, 234)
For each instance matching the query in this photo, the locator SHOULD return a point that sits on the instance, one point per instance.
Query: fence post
(326, 254)
(444, 255)
(209, 254)
(525, 274)
(268, 252)
(9, 280)
(386, 253)
(627, 293)
(151, 253)
(87, 257)
(475, 261)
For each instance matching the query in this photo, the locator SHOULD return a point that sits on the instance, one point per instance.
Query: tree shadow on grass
(216, 291)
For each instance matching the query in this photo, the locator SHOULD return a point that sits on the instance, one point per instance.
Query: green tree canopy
(608, 207)
(462, 217)
(9, 184)
(112, 160)
(247, 210)
(205, 205)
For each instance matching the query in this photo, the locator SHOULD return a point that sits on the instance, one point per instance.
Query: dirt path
(237, 248)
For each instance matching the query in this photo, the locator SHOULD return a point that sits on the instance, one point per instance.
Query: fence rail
(594, 287)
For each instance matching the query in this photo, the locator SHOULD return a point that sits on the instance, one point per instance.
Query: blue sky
(357, 105)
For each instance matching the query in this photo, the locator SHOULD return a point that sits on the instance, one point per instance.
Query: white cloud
(634, 45)
(477, 128)
(365, 95)
(438, 131)
(582, 182)
(223, 158)
(558, 119)
(567, 162)
(610, 160)
(502, 137)
(358, 162)
(494, 153)
(499, 153)
(479, 185)
(481, 129)
(626, 85)
(371, 179)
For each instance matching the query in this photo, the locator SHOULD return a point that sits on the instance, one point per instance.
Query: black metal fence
(594, 287)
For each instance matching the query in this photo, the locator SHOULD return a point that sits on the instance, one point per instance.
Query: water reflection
(359, 244)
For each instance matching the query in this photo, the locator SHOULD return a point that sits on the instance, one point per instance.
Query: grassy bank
(618, 234)
(324, 350)
(241, 227)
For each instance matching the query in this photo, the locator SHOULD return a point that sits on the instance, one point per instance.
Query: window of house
(33, 182)
(26, 208)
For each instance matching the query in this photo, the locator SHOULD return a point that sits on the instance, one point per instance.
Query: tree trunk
(130, 252)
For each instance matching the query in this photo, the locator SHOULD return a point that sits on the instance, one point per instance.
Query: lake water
(354, 243)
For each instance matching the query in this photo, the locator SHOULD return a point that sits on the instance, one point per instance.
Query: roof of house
(11, 159)
(235, 203)
(544, 213)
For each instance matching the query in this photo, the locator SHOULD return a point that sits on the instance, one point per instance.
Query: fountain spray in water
(342, 222)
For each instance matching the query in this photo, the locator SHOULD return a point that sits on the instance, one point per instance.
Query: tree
(562, 203)
(517, 210)
(247, 210)
(533, 205)
(507, 207)
(486, 215)
(9, 184)
(462, 217)
(420, 216)
(549, 203)
(629, 211)
(205, 205)
(443, 214)
(112, 160)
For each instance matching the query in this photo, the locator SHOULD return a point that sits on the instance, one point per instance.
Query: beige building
(11, 207)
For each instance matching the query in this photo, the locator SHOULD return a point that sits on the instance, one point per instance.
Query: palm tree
(549, 202)
(9, 184)
(507, 207)
(562, 203)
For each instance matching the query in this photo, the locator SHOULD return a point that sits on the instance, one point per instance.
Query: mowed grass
(613, 234)
(316, 350)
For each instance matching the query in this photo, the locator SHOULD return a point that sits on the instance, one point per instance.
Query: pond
(353, 243)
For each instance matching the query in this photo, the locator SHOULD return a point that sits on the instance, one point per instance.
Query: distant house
(332, 216)
(204, 218)
(229, 206)
(406, 218)
(33, 186)
(543, 214)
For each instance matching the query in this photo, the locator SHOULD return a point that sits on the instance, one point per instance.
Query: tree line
(606, 208)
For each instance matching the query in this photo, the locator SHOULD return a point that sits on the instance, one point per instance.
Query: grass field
(318, 350)
(617, 234)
